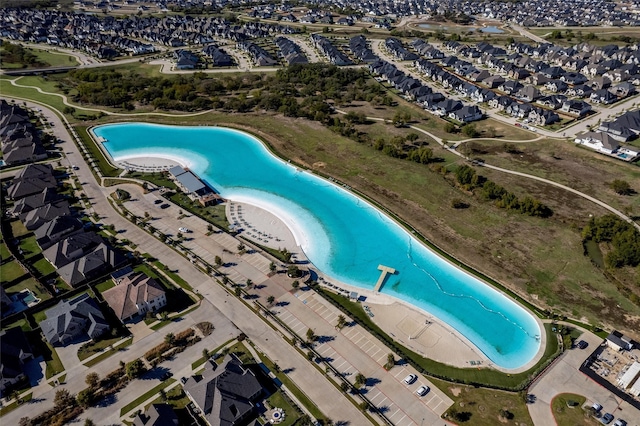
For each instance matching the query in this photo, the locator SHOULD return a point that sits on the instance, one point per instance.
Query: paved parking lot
(563, 376)
(353, 346)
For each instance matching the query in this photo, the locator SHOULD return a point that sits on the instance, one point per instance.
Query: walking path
(521, 174)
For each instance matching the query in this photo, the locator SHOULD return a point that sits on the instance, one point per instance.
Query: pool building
(194, 187)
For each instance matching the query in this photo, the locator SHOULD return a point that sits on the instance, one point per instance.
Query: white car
(410, 379)
(423, 390)
(184, 230)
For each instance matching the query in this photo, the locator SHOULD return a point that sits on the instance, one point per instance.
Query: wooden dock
(383, 276)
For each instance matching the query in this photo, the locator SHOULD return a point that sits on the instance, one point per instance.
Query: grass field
(486, 407)
(139, 400)
(51, 58)
(103, 164)
(31, 284)
(11, 271)
(567, 411)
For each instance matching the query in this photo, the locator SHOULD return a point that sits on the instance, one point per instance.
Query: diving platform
(383, 276)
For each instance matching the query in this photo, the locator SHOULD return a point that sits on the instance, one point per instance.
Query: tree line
(467, 178)
(622, 237)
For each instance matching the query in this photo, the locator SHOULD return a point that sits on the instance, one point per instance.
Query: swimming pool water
(341, 234)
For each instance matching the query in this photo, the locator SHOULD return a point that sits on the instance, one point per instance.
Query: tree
(210, 227)
(25, 421)
(470, 130)
(179, 235)
(276, 367)
(272, 267)
(249, 283)
(134, 369)
(311, 335)
(270, 300)
(293, 271)
(621, 187)
(218, 261)
(295, 284)
(241, 247)
(205, 353)
(89, 422)
(344, 386)
(360, 380)
(163, 395)
(85, 397)
(391, 361)
(341, 321)
(92, 380)
(237, 291)
(170, 338)
(449, 127)
(147, 215)
(62, 398)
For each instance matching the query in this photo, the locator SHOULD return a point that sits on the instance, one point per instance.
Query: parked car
(596, 407)
(620, 422)
(582, 344)
(606, 419)
(423, 390)
(184, 230)
(410, 379)
(164, 206)
(157, 202)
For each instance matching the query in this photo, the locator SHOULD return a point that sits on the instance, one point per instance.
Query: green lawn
(103, 164)
(485, 407)
(11, 271)
(54, 365)
(31, 284)
(106, 354)
(94, 347)
(277, 400)
(213, 214)
(44, 267)
(18, 229)
(51, 58)
(139, 400)
(29, 247)
(158, 179)
(7, 408)
(4, 251)
(202, 360)
(572, 414)
(105, 285)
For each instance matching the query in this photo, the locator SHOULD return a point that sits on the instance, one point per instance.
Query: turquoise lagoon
(342, 235)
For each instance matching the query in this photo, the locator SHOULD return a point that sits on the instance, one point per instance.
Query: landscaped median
(147, 395)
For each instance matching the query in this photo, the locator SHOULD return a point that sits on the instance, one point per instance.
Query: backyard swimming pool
(342, 235)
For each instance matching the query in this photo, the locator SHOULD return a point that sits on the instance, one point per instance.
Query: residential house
(157, 415)
(74, 319)
(225, 394)
(14, 352)
(528, 94)
(501, 102)
(467, 114)
(38, 216)
(71, 248)
(185, 60)
(32, 179)
(447, 106)
(603, 96)
(219, 57)
(59, 228)
(135, 295)
(574, 107)
(623, 128)
(98, 262)
(494, 81)
(542, 117)
(27, 204)
(556, 86)
(623, 90)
